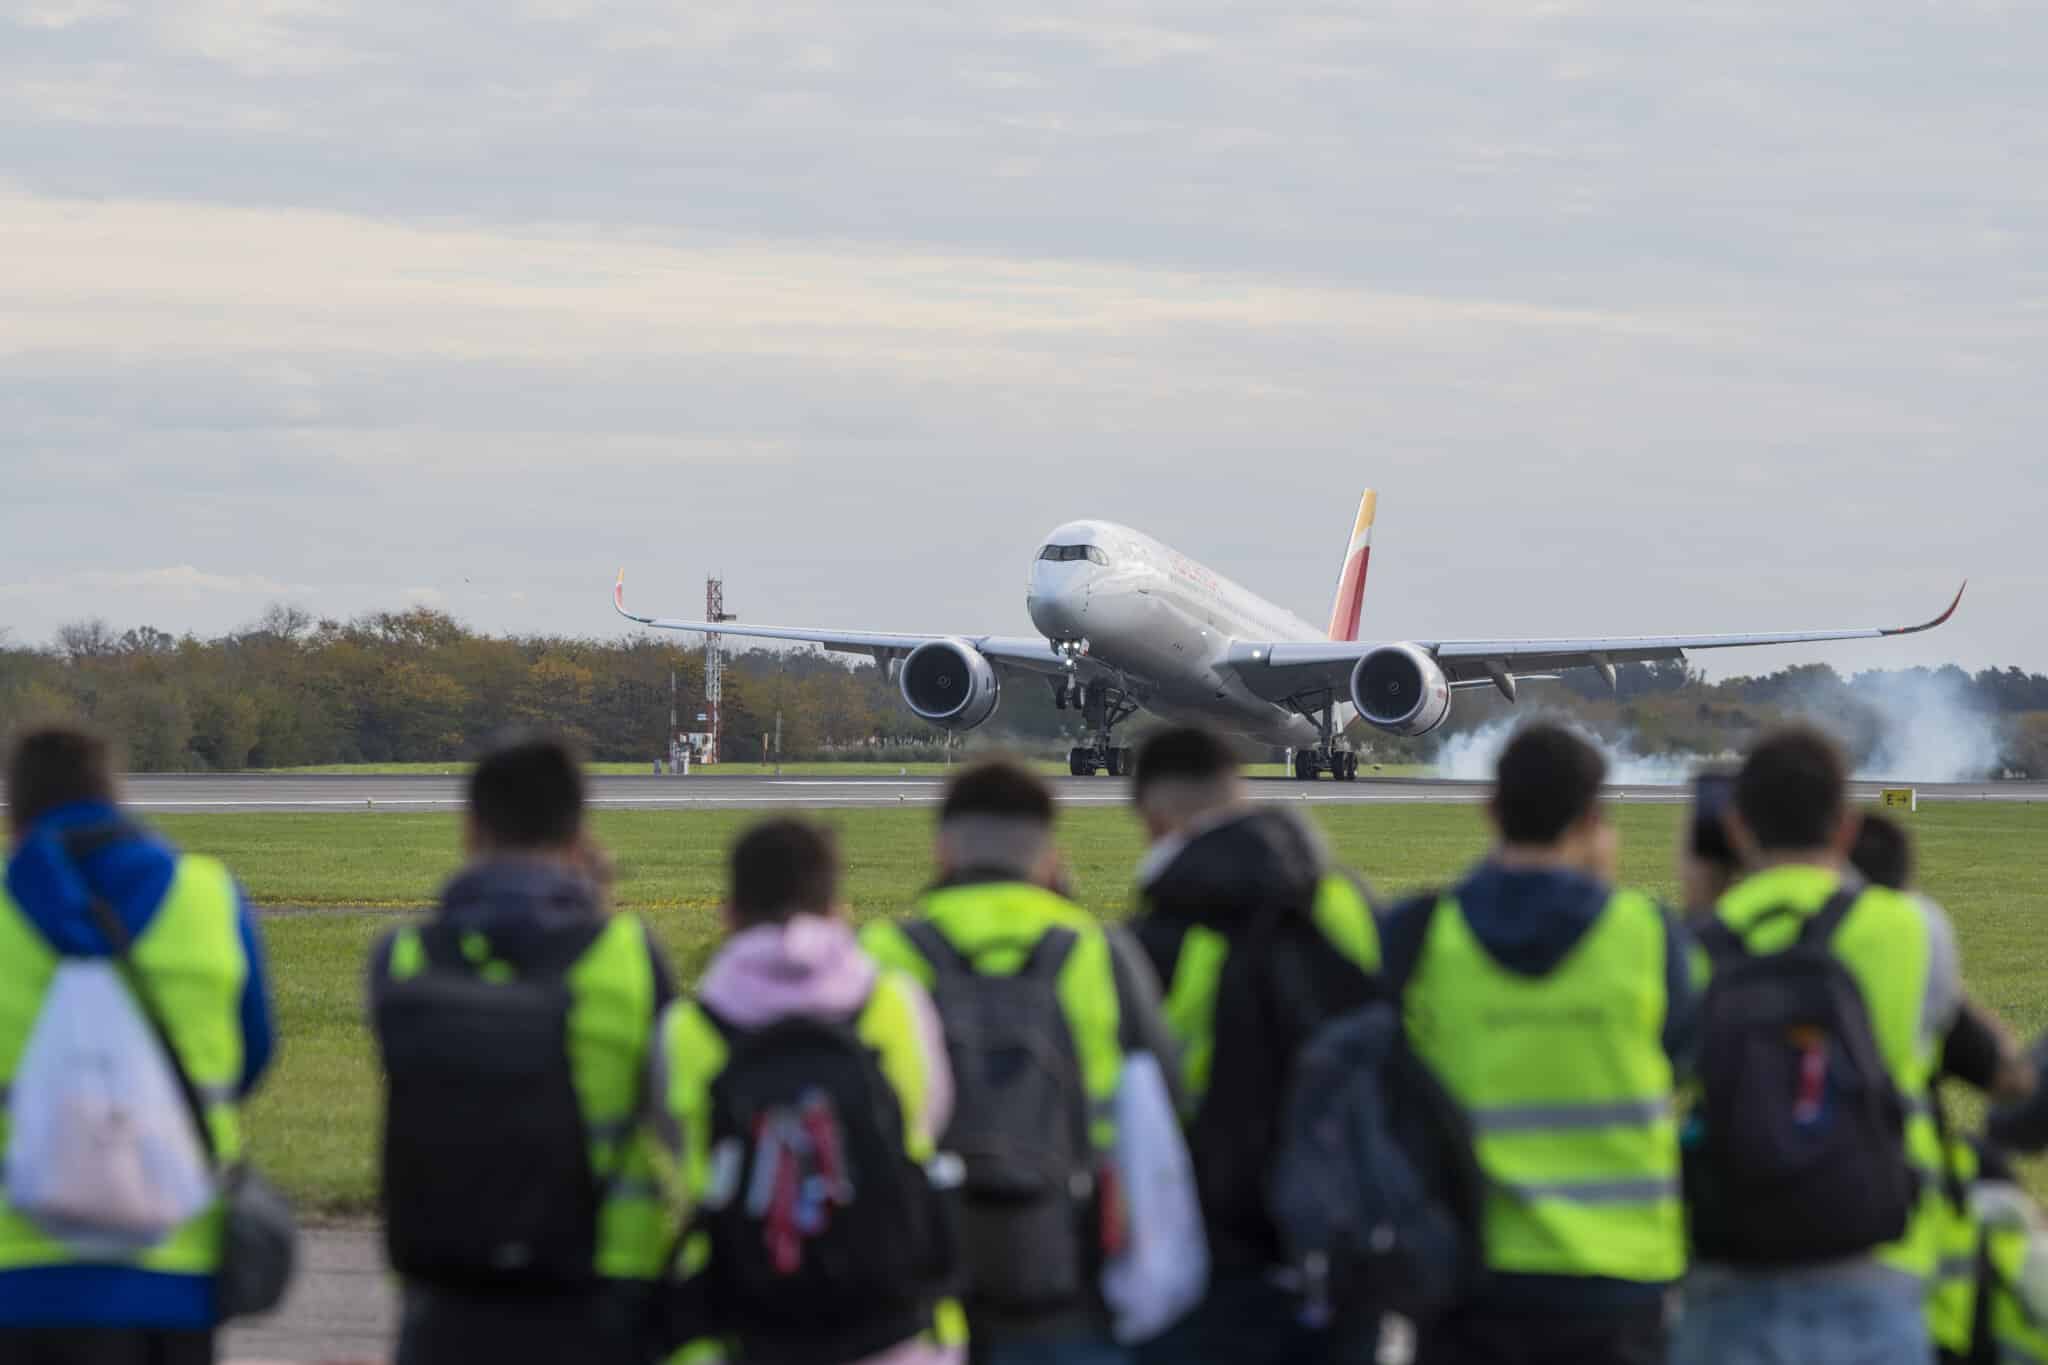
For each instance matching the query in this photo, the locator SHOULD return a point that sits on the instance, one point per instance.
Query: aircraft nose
(1058, 601)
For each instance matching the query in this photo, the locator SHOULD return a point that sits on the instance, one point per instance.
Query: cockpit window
(1058, 553)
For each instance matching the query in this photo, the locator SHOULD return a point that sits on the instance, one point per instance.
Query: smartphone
(1712, 795)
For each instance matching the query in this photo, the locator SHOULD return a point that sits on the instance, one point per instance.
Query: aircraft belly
(1170, 658)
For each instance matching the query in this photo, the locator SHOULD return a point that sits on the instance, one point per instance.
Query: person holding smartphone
(1707, 865)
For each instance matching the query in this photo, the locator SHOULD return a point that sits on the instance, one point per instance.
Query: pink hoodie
(814, 965)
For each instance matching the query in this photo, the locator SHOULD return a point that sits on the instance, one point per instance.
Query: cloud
(176, 582)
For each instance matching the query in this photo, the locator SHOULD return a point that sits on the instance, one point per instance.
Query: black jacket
(1252, 879)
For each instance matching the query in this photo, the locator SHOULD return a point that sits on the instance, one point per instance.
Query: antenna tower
(714, 662)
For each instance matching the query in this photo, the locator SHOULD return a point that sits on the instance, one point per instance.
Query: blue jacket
(132, 875)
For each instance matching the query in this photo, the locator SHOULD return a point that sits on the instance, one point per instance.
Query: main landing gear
(1341, 764)
(1327, 755)
(1102, 708)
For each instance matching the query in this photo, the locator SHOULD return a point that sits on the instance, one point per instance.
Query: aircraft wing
(1279, 670)
(1029, 653)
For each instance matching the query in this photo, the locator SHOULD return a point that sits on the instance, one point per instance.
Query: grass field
(314, 1125)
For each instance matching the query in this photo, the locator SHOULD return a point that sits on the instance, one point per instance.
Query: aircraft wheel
(1350, 767)
(1305, 765)
(1115, 766)
(1076, 765)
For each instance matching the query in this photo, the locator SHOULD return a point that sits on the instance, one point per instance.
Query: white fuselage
(1166, 623)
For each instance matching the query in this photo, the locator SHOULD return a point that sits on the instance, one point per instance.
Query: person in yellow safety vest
(1223, 883)
(1990, 1304)
(1792, 828)
(497, 1262)
(1983, 1214)
(792, 959)
(996, 930)
(1558, 1010)
(195, 942)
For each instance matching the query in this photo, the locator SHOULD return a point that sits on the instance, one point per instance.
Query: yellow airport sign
(1899, 798)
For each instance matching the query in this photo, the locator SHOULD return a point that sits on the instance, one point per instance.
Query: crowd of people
(1532, 1116)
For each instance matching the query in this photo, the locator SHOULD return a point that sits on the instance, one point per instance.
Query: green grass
(314, 1125)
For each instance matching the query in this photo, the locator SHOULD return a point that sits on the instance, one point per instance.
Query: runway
(260, 792)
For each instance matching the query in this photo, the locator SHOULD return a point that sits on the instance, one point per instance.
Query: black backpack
(1020, 1126)
(487, 1179)
(1375, 1188)
(1800, 1152)
(828, 1242)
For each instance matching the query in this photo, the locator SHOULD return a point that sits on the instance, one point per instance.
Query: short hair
(1883, 853)
(999, 788)
(1546, 781)
(1793, 789)
(781, 868)
(49, 766)
(1183, 754)
(527, 792)
(996, 818)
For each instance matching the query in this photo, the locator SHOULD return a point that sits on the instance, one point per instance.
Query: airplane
(1128, 624)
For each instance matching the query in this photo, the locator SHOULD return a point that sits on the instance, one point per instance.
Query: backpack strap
(1048, 955)
(1819, 929)
(1726, 944)
(935, 948)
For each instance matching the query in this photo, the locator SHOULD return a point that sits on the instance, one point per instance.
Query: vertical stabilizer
(1351, 582)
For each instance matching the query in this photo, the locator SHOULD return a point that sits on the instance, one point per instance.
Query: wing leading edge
(1032, 654)
(1279, 670)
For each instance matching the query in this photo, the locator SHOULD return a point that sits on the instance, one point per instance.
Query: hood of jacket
(519, 901)
(1226, 867)
(1528, 919)
(811, 966)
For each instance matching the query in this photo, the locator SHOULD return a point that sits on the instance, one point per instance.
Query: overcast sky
(1642, 316)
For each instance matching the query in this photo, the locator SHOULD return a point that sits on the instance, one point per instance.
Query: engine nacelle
(1400, 689)
(948, 683)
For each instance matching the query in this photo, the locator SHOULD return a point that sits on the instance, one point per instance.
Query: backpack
(103, 1154)
(1375, 1188)
(1800, 1153)
(1280, 984)
(1020, 1126)
(487, 1178)
(828, 1242)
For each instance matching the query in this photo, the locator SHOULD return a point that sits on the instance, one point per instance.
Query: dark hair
(1187, 753)
(1883, 853)
(998, 787)
(527, 793)
(1546, 781)
(781, 868)
(1793, 789)
(54, 765)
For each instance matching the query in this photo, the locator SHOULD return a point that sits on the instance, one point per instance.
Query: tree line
(419, 686)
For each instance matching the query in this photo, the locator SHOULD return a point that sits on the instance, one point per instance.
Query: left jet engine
(948, 683)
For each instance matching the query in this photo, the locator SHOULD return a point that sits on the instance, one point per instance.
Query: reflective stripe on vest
(997, 924)
(1884, 943)
(1568, 1089)
(611, 1033)
(191, 954)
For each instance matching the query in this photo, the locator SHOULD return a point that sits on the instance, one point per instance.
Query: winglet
(1350, 603)
(619, 599)
(1930, 625)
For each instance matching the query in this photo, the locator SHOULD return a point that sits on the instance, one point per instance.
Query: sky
(1643, 317)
